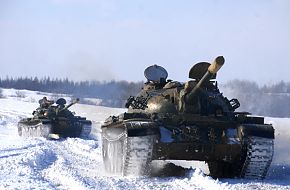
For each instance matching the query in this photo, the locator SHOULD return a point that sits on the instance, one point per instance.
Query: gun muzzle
(216, 65)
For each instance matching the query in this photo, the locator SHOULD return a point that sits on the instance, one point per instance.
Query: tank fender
(258, 130)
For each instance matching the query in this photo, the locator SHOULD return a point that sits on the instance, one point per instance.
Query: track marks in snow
(76, 164)
(21, 165)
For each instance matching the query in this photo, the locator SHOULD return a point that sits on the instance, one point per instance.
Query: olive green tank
(170, 120)
(54, 121)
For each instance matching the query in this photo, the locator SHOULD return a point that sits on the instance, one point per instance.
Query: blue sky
(118, 39)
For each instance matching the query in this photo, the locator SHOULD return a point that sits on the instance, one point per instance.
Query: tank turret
(69, 105)
(171, 120)
(61, 107)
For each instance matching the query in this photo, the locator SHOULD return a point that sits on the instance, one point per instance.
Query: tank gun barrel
(69, 105)
(212, 69)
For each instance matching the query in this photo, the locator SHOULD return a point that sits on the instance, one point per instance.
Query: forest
(268, 100)
(114, 93)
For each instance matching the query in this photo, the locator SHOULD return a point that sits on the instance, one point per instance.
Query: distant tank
(169, 120)
(52, 121)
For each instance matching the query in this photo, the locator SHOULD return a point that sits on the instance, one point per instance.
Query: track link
(258, 158)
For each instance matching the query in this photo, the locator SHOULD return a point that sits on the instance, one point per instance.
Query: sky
(118, 39)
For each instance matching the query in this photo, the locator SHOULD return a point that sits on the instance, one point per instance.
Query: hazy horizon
(117, 40)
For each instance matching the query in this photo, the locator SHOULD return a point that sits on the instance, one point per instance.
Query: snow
(74, 163)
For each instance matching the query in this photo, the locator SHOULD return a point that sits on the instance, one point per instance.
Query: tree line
(268, 100)
(113, 93)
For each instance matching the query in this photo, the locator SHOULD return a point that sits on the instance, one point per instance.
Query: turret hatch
(198, 71)
(155, 73)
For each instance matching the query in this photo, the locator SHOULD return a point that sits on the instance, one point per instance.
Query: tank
(170, 120)
(55, 121)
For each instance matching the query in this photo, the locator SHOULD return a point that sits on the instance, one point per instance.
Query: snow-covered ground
(74, 163)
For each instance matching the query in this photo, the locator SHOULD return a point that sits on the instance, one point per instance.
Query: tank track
(38, 130)
(138, 155)
(86, 130)
(128, 156)
(258, 157)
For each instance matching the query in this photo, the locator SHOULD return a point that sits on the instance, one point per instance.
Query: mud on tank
(55, 121)
(169, 120)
